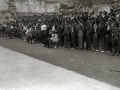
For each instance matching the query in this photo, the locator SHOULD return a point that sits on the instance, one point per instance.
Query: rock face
(35, 6)
(26, 6)
(30, 6)
(3, 5)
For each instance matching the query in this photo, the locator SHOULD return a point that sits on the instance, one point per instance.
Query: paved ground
(21, 72)
(96, 65)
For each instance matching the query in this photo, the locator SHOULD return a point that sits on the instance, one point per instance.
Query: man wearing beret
(43, 32)
(11, 31)
(103, 34)
(80, 30)
(99, 18)
(60, 31)
(0, 28)
(105, 16)
(89, 31)
(115, 42)
(95, 36)
(3, 28)
(73, 35)
(110, 28)
(66, 34)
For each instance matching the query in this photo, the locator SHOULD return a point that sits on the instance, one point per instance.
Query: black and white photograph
(59, 44)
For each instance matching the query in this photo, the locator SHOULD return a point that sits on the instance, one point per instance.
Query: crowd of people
(79, 31)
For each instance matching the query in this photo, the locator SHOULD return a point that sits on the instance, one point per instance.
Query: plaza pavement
(22, 72)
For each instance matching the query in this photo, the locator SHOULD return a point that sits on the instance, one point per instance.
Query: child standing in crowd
(115, 42)
(82, 28)
(95, 37)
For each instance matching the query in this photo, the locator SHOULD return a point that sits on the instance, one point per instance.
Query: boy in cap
(89, 31)
(115, 42)
(99, 18)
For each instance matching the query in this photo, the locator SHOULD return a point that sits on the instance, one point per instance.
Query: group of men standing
(81, 31)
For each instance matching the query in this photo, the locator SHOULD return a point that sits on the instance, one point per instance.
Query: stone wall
(27, 6)
(34, 6)
(3, 11)
(30, 6)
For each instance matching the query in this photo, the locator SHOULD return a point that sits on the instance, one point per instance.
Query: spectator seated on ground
(54, 39)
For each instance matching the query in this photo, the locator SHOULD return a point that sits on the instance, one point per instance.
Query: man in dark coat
(66, 34)
(73, 45)
(80, 30)
(3, 28)
(60, 31)
(115, 42)
(103, 34)
(89, 31)
(99, 18)
(110, 28)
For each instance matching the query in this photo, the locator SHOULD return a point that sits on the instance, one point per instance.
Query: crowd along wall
(39, 6)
